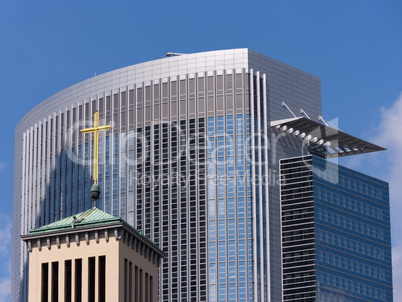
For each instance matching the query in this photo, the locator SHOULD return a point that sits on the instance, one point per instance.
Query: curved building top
(238, 89)
(182, 65)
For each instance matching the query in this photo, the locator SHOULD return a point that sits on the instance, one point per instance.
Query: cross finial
(95, 129)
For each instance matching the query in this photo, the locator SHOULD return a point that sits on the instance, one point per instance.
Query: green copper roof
(88, 218)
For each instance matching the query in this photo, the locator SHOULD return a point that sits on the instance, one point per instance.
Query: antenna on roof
(305, 113)
(287, 107)
(320, 118)
(328, 123)
(173, 54)
(77, 219)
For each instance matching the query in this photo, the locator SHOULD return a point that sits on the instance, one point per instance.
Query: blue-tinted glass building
(336, 243)
(192, 161)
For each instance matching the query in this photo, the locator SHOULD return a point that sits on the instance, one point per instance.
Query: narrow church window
(125, 281)
(146, 286)
(67, 280)
(78, 280)
(91, 279)
(102, 279)
(55, 281)
(151, 288)
(141, 285)
(45, 282)
(130, 281)
(136, 284)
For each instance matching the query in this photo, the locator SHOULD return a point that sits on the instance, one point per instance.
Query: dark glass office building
(336, 243)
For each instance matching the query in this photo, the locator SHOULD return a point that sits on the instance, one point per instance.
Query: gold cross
(95, 129)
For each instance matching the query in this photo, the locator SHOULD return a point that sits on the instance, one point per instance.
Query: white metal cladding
(49, 186)
(49, 202)
(332, 142)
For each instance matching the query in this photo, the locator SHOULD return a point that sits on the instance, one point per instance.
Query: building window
(45, 282)
(136, 284)
(91, 279)
(151, 288)
(128, 281)
(67, 280)
(78, 280)
(102, 278)
(140, 285)
(146, 287)
(126, 286)
(55, 281)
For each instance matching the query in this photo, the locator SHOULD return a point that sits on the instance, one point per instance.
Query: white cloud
(388, 166)
(5, 255)
(5, 289)
(5, 235)
(389, 135)
(397, 261)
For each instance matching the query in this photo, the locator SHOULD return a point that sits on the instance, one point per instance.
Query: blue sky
(355, 47)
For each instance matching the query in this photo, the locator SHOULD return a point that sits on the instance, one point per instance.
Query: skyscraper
(335, 233)
(192, 161)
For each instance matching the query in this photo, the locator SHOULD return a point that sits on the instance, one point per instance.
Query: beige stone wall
(147, 267)
(119, 283)
(82, 251)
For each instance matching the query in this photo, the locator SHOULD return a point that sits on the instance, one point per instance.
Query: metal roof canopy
(335, 142)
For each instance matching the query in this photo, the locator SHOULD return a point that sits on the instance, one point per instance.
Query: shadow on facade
(66, 193)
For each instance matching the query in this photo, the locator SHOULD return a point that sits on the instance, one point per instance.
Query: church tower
(92, 256)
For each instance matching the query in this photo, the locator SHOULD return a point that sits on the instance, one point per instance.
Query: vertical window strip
(151, 288)
(125, 280)
(78, 280)
(252, 118)
(141, 285)
(102, 279)
(67, 280)
(136, 284)
(130, 281)
(267, 170)
(257, 101)
(91, 279)
(151, 168)
(146, 287)
(55, 281)
(45, 282)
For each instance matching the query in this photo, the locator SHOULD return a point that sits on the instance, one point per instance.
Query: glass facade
(192, 162)
(230, 240)
(336, 233)
(185, 163)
